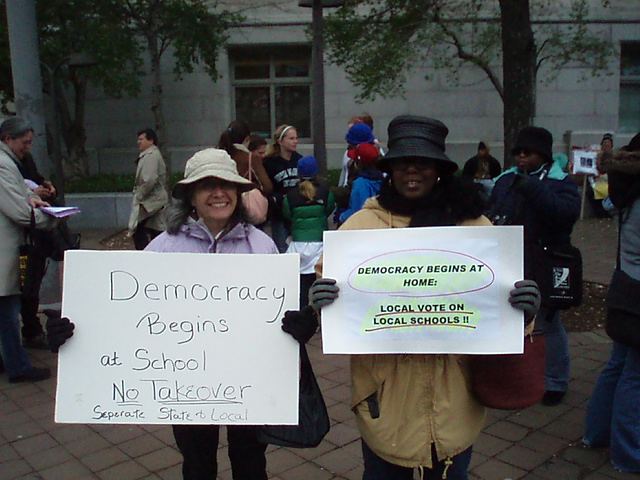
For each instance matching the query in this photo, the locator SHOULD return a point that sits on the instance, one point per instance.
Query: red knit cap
(365, 153)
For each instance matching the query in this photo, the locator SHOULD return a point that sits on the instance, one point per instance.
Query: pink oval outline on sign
(403, 294)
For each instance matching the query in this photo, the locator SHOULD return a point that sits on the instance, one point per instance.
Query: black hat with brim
(536, 139)
(412, 136)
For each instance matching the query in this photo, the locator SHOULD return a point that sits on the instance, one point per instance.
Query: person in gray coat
(149, 192)
(16, 204)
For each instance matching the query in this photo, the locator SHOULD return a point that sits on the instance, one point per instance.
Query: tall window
(272, 86)
(629, 113)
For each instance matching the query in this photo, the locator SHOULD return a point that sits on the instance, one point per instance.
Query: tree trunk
(73, 130)
(157, 100)
(519, 62)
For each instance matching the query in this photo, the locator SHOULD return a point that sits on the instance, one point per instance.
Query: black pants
(30, 298)
(199, 447)
(143, 235)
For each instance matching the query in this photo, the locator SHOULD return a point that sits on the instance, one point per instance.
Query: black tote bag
(313, 420)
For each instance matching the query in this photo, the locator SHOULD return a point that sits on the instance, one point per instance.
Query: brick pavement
(532, 444)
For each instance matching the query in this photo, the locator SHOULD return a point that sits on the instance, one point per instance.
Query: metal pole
(27, 80)
(317, 101)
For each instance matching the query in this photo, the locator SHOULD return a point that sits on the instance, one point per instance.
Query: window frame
(272, 82)
(632, 81)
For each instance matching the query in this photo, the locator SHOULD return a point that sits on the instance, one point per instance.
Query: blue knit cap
(359, 133)
(307, 167)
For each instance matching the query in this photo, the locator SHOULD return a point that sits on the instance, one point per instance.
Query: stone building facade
(265, 79)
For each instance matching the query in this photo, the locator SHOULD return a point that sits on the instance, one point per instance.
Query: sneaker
(33, 375)
(39, 342)
(551, 398)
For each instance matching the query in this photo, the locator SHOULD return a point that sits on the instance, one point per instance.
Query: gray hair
(15, 127)
(178, 212)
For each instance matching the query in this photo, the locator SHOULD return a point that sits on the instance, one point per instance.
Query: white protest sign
(178, 338)
(584, 162)
(423, 290)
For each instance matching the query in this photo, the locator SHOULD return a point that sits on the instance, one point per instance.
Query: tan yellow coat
(423, 399)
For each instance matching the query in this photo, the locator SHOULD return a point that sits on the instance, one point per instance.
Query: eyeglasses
(211, 183)
(419, 163)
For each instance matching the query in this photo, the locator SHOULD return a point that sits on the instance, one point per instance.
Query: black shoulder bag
(313, 420)
(557, 268)
(623, 304)
(558, 272)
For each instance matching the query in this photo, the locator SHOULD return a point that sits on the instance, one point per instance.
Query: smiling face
(214, 200)
(414, 178)
(21, 145)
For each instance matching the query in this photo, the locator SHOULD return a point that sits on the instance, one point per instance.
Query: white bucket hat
(211, 162)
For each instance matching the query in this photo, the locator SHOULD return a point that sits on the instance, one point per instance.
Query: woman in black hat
(539, 195)
(417, 411)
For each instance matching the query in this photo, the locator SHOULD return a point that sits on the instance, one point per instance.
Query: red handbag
(512, 381)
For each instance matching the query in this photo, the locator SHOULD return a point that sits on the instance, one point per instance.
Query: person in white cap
(207, 216)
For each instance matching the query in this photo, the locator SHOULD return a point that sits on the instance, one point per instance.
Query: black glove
(323, 292)
(526, 297)
(300, 324)
(58, 329)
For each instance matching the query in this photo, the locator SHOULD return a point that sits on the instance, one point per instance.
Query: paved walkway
(538, 443)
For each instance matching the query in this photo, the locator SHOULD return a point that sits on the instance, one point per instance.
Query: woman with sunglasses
(539, 195)
(418, 411)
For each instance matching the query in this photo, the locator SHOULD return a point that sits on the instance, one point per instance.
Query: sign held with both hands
(178, 338)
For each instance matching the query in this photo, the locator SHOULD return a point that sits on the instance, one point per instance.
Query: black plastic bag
(313, 422)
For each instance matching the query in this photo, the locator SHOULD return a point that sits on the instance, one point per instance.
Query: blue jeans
(16, 361)
(556, 373)
(376, 468)
(613, 416)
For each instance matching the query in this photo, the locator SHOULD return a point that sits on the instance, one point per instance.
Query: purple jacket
(194, 237)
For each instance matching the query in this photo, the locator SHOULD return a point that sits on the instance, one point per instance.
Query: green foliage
(91, 27)
(380, 42)
(575, 44)
(112, 32)
(196, 29)
(79, 26)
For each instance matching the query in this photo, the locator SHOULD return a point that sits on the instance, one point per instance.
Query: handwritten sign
(423, 290)
(178, 338)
